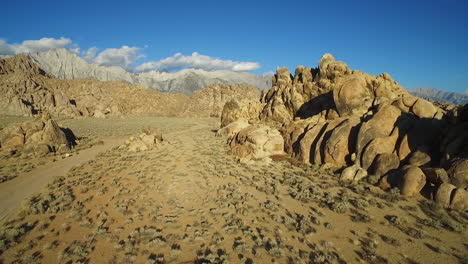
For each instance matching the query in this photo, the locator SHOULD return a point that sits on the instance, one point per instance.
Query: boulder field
(363, 126)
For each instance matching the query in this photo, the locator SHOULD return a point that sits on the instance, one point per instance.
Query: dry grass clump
(11, 235)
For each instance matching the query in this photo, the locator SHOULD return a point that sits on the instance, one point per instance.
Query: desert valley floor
(188, 201)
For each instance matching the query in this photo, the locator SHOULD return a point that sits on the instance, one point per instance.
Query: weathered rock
(352, 97)
(308, 143)
(419, 158)
(38, 137)
(41, 150)
(421, 136)
(340, 144)
(53, 134)
(233, 128)
(460, 200)
(257, 142)
(412, 180)
(449, 196)
(378, 146)
(12, 137)
(384, 183)
(234, 110)
(383, 163)
(424, 109)
(353, 173)
(444, 194)
(458, 173)
(436, 176)
(148, 139)
(330, 68)
(293, 133)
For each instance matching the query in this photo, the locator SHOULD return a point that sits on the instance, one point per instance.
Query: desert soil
(187, 201)
(14, 191)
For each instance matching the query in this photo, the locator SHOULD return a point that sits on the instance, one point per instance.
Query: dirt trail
(13, 192)
(16, 190)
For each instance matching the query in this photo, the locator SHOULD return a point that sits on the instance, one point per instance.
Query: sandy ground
(187, 201)
(14, 191)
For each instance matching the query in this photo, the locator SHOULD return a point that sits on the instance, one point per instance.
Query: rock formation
(147, 139)
(365, 126)
(63, 64)
(256, 142)
(38, 138)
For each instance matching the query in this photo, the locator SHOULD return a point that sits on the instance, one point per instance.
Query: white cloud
(197, 61)
(42, 44)
(89, 54)
(126, 56)
(5, 48)
(123, 57)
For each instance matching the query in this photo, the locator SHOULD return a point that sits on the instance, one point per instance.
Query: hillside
(27, 90)
(62, 64)
(440, 96)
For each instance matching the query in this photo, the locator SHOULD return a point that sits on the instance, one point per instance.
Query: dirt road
(16, 190)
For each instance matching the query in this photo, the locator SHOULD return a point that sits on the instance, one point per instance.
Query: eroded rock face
(257, 142)
(38, 137)
(146, 140)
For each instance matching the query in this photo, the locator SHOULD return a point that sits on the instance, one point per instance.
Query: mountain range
(63, 64)
(440, 96)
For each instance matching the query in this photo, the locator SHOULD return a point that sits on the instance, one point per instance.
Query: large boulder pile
(367, 126)
(146, 140)
(38, 138)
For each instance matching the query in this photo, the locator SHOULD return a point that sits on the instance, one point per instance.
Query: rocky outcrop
(37, 138)
(146, 140)
(62, 64)
(367, 126)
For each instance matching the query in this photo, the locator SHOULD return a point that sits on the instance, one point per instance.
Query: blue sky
(419, 43)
